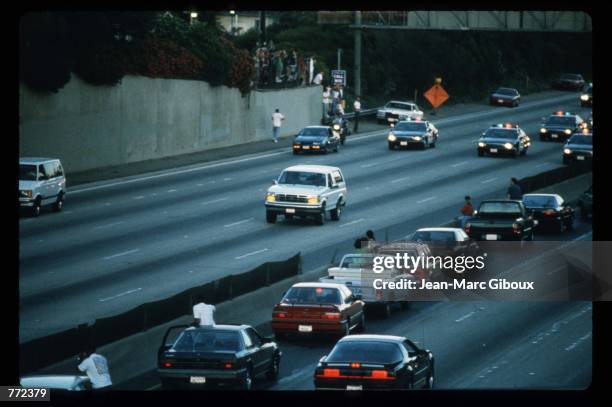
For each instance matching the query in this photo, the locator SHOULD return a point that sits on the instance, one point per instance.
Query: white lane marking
(190, 271)
(251, 254)
(200, 185)
(229, 225)
(466, 316)
(214, 201)
(40, 241)
(488, 180)
(352, 222)
(121, 254)
(227, 179)
(171, 190)
(531, 373)
(139, 197)
(107, 204)
(119, 295)
(167, 174)
(578, 342)
(458, 164)
(109, 225)
(426, 199)
(400, 179)
(369, 165)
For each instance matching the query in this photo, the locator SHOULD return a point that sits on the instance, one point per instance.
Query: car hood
(310, 139)
(409, 133)
(583, 147)
(557, 127)
(496, 140)
(292, 189)
(502, 96)
(28, 184)
(397, 111)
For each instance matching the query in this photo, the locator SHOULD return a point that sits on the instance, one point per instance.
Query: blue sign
(338, 77)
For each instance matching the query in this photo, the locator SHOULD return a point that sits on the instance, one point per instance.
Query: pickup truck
(355, 271)
(501, 220)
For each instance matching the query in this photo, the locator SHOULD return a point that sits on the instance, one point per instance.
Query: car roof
(373, 337)
(317, 285)
(439, 230)
(555, 195)
(316, 127)
(221, 327)
(505, 87)
(36, 160)
(53, 381)
(399, 101)
(500, 200)
(323, 169)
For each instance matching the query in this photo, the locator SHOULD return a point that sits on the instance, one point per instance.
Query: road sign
(436, 95)
(338, 77)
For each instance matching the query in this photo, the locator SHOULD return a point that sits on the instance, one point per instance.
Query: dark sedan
(316, 139)
(569, 81)
(419, 133)
(365, 362)
(550, 210)
(503, 139)
(216, 356)
(560, 126)
(506, 97)
(579, 148)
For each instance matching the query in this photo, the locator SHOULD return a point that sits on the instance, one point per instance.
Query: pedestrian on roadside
(514, 190)
(277, 119)
(467, 211)
(96, 367)
(318, 78)
(335, 99)
(326, 102)
(357, 110)
(203, 314)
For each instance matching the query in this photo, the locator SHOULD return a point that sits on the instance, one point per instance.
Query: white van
(41, 182)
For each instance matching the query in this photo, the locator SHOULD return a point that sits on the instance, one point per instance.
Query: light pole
(234, 21)
(192, 17)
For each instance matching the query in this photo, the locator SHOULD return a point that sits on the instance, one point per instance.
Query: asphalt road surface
(121, 243)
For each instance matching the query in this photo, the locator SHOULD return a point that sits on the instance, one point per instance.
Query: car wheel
(362, 323)
(429, 382)
(514, 154)
(524, 152)
(433, 145)
(274, 369)
(335, 213)
(542, 137)
(36, 208)
(391, 146)
(566, 161)
(59, 203)
(270, 217)
(247, 381)
(320, 218)
(337, 147)
(480, 153)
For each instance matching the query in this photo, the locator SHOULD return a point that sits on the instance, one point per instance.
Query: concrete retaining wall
(90, 127)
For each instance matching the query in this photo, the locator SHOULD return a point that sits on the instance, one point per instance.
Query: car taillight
(167, 364)
(331, 372)
(380, 374)
(549, 212)
(228, 365)
(279, 314)
(331, 315)
(356, 365)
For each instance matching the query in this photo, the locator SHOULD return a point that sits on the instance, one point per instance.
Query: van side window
(329, 180)
(50, 170)
(337, 176)
(59, 171)
(41, 171)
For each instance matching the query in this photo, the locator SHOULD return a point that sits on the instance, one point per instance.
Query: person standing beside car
(514, 190)
(96, 367)
(467, 211)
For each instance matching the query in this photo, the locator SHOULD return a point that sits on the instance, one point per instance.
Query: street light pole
(358, 53)
(339, 57)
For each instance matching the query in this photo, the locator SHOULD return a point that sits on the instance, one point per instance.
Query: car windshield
(302, 178)
(312, 295)
(411, 126)
(539, 201)
(580, 139)
(314, 132)
(501, 133)
(561, 120)
(434, 236)
(507, 208)
(365, 352)
(199, 340)
(27, 172)
(394, 105)
(357, 262)
(571, 77)
(506, 91)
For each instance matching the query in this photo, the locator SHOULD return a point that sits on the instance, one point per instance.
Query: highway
(121, 243)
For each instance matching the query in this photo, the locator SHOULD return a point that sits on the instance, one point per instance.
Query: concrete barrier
(90, 127)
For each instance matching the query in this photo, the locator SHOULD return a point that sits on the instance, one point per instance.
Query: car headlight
(481, 144)
(584, 97)
(391, 137)
(543, 130)
(296, 146)
(271, 197)
(567, 151)
(336, 127)
(313, 200)
(508, 146)
(567, 131)
(27, 193)
(417, 138)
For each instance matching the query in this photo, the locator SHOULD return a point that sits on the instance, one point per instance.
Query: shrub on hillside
(100, 65)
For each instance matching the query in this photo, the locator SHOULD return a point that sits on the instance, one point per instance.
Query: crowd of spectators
(281, 67)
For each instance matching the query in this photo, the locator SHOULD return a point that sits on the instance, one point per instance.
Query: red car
(318, 308)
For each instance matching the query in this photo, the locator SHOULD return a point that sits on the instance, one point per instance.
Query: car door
(254, 355)
(170, 337)
(418, 361)
(266, 349)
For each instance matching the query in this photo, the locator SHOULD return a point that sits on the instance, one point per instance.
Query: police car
(504, 138)
(413, 132)
(579, 147)
(560, 126)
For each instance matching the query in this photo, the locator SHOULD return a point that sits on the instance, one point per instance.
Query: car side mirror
(267, 339)
(42, 177)
(275, 182)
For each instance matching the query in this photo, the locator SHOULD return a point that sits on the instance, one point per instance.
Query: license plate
(554, 135)
(197, 379)
(500, 101)
(403, 143)
(491, 237)
(305, 328)
(493, 150)
(289, 210)
(354, 387)
(580, 157)
(306, 147)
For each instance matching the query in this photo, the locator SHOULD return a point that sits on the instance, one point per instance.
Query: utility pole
(262, 27)
(339, 57)
(358, 53)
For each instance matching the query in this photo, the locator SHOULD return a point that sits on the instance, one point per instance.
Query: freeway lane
(119, 246)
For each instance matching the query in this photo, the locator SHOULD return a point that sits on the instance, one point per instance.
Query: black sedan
(560, 126)
(418, 132)
(579, 148)
(550, 210)
(359, 362)
(505, 139)
(586, 98)
(316, 139)
(569, 81)
(506, 97)
(216, 356)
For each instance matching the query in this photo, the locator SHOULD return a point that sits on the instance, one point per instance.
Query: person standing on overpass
(277, 119)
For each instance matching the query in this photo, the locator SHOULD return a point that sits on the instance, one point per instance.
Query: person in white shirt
(340, 109)
(203, 314)
(318, 78)
(96, 367)
(326, 102)
(357, 110)
(277, 118)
